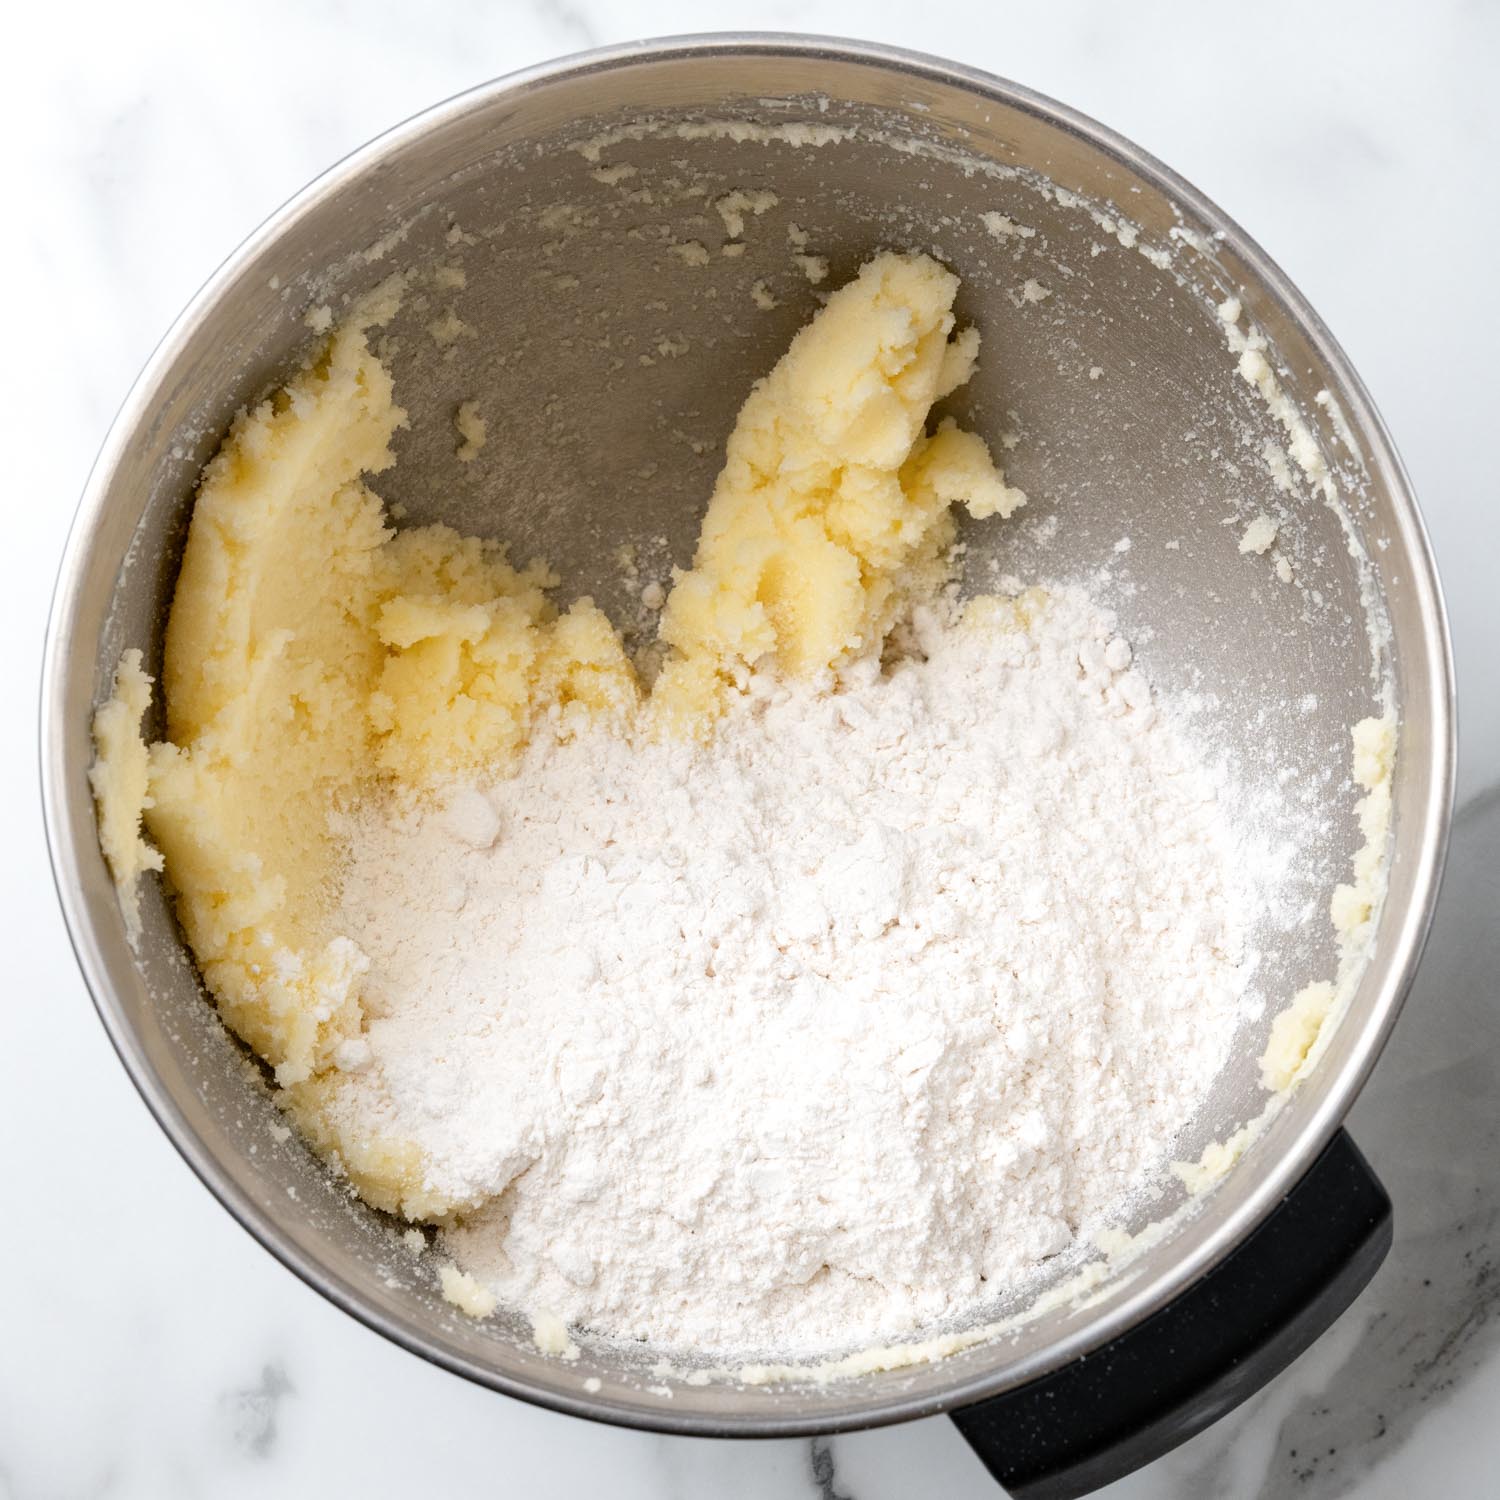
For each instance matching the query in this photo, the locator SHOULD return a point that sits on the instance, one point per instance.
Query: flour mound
(836, 1025)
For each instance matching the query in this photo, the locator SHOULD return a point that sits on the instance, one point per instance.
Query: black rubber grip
(1142, 1394)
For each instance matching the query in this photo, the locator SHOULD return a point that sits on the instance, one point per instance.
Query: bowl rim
(68, 836)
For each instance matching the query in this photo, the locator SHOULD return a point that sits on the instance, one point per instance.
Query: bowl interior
(610, 368)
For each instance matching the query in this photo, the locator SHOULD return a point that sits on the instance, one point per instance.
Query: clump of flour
(838, 1024)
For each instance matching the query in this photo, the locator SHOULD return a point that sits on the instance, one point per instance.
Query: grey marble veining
(151, 1349)
(256, 1410)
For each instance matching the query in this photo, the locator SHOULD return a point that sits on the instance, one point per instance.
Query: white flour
(830, 1028)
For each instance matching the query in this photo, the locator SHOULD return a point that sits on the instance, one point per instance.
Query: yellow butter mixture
(314, 651)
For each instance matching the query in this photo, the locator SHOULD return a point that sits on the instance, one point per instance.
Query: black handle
(1105, 1415)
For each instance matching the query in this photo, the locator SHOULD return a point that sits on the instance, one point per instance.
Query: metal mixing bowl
(600, 434)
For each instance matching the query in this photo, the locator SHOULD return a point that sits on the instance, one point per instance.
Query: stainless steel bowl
(591, 445)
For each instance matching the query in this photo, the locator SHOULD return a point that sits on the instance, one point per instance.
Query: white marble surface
(151, 1348)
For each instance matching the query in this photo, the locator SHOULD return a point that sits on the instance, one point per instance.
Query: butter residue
(736, 204)
(120, 779)
(471, 429)
(1255, 369)
(448, 328)
(1342, 430)
(465, 1293)
(1294, 1034)
(1259, 534)
(814, 267)
(1301, 1033)
(1219, 1156)
(550, 1335)
(790, 133)
(1003, 227)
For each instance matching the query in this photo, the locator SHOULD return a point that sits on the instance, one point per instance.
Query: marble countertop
(152, 1348)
